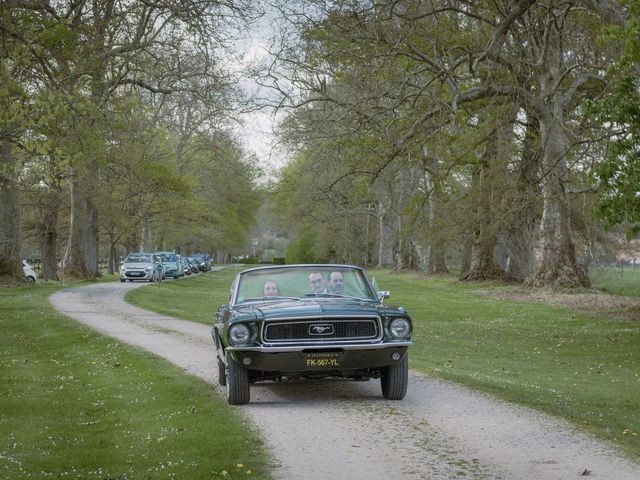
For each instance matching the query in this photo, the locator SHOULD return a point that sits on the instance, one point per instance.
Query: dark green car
(309, 321)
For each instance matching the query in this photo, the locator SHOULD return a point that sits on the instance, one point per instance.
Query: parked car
(195, 265)
(299, 321)
(29, 273)
(170, 264)
(141, 266)
(204, 261)
(186, 266)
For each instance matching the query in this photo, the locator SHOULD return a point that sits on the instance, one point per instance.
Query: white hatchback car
(28, 272)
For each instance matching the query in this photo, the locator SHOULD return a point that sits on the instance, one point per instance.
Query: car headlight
(400, 328)
(239, 334)
(148, 269)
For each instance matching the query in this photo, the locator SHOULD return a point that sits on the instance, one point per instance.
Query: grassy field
(194, 298)
(618, 281)
(577, 366)
(75, 404)
(570, 364)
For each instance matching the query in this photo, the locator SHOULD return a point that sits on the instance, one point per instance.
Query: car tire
(31, 279)
(237, 380)
(222, 375)
(122, 280)
(395, 379)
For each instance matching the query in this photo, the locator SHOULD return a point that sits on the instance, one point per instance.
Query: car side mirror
(220, 310)
(383, 294)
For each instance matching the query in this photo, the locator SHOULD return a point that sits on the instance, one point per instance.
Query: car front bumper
(136, 275)
(319, 358)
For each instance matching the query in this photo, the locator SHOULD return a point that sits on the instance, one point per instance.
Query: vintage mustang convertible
(309, 321)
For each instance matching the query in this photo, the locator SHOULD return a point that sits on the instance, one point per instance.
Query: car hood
(314, 307)
(136, 264)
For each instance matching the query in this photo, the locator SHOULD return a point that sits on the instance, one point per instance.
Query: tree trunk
(386, 237)
(437, 247)
(467, 255)
(48, 234)
(558, 265)
(403, 250)
(366, 256)
(485, 266)
(145, 241)
(10, 226)
(93, 240)
(525, 208)
(112, 265)
(76, 258)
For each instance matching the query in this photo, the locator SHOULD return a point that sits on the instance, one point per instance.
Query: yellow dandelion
(239, 465)
(248, 472)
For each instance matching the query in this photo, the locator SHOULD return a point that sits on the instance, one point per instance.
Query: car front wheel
(237, 379)
(395, 378)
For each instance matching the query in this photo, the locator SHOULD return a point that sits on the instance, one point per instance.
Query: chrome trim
(316, 318)
(299, 348)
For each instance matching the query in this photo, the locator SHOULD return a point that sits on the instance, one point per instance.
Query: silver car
(29, 273)
(170, 264)
(141, 266)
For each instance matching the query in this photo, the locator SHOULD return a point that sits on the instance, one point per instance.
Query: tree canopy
(459, 131)
(116, 131)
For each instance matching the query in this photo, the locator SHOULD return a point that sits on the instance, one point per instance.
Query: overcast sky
(257, 131)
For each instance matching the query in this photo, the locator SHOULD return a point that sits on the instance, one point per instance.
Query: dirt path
(344, 429)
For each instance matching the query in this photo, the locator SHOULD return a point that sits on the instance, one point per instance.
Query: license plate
(322, 359)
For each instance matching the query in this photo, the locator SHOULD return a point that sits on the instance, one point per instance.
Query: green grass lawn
(619, 281)
(577, 366)
(194, 298)
(76, 404)
(580, 367)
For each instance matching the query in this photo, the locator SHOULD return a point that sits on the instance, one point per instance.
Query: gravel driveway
(345, 429)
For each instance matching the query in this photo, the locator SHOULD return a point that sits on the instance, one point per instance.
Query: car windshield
(137, 258)
(303, 281)
(168, 257)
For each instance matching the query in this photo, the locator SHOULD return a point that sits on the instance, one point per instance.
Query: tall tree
(14, 119)
(92, 49)
(618, 177)
(540, 56)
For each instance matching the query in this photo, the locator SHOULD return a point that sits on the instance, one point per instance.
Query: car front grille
(322, 330)
(132, 274)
